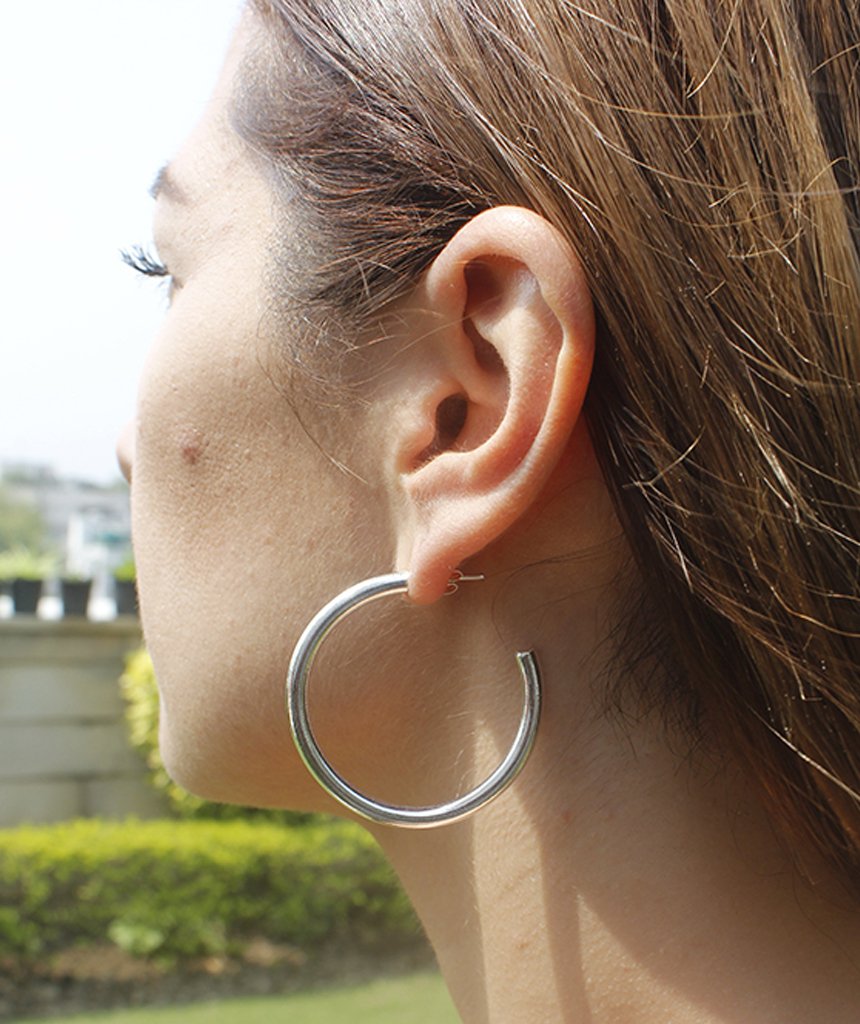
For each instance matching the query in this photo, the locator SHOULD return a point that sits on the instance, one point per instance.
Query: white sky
(95, 95)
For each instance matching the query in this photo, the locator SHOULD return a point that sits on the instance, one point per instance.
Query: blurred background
(96, 96)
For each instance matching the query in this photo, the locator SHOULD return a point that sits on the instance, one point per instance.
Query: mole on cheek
(191, 448)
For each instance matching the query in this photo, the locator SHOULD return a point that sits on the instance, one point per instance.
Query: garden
(210, 903)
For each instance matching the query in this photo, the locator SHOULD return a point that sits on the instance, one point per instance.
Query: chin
(237, 770)
(194, 758)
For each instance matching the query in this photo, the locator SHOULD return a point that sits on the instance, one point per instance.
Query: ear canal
(450, 420)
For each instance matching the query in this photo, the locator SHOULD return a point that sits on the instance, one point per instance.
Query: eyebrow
(165, 185)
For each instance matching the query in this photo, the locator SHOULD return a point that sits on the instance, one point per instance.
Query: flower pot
(26, 595)
(76, 597)
(125, 595)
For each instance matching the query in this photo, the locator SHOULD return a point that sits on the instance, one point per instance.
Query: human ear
(511, 350)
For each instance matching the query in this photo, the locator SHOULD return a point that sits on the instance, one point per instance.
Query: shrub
(185, 888)
(141, 694)
(26, 564)
(126, 571)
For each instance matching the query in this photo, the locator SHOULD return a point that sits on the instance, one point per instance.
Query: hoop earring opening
(334, 784)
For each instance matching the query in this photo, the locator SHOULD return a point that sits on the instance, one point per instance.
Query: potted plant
(75, 592)
(24, 571)
(125, 588)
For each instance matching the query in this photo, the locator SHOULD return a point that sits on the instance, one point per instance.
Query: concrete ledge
(64, 750)
(57, 693)
(67, 640)
(36, 750)
(40, 802)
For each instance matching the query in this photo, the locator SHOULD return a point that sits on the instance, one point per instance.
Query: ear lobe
(512, 363)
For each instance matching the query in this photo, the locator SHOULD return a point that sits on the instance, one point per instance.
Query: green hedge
(184, 888)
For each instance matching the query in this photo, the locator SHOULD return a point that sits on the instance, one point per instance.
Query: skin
(616, 881)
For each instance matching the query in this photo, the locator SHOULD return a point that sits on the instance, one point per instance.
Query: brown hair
(702, 157)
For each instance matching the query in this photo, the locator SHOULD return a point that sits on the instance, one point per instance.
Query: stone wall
(63, 746)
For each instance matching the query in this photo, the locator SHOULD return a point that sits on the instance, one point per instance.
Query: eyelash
(144, 262)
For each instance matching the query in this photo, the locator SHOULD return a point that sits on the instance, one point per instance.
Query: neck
(614, 882)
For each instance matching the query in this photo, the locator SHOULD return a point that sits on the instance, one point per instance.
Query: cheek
(192, 445)
(201, 408)
(243, 528)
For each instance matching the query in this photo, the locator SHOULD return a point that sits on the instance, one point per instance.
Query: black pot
(26, 595)
(125, 595)
(76, 597)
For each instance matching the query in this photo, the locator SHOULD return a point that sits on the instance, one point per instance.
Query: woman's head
(701, 160)
(257, 494)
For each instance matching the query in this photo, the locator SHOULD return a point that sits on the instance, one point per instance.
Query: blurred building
(88, 524)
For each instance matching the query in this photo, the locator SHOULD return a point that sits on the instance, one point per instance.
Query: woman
(564, 297)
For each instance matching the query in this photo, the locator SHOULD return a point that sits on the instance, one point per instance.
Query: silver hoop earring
(335, 785)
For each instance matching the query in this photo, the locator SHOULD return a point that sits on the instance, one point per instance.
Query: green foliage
(184, 888)
(21, 524)
(141, 694)
(126, 571)
(25, 564)
(139, 940)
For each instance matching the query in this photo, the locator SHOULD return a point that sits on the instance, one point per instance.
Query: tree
(21, 523)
